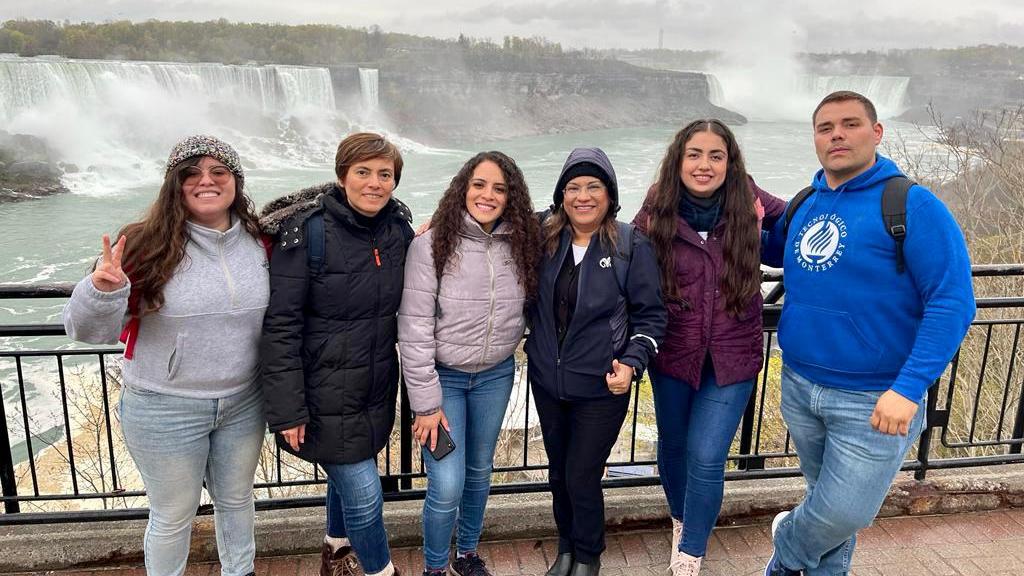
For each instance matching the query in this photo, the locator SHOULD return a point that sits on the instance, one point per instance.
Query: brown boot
(341, 562)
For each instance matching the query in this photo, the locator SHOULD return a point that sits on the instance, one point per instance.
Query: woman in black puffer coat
(330, 368)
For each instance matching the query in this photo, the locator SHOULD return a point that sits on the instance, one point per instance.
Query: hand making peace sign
(108, 275)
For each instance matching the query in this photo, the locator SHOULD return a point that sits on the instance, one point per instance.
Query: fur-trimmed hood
(283, 208)
(308, 200)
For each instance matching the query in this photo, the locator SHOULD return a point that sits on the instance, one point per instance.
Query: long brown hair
(607, 233)
(740, 278)
(518, 215)
(156, 244)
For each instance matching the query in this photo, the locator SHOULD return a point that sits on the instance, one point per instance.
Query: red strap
(131, 329)
(128, 335)
(268, 244)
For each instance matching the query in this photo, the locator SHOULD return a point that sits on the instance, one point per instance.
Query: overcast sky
(731, 25)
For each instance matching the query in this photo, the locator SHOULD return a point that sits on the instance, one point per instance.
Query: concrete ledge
(281, 532)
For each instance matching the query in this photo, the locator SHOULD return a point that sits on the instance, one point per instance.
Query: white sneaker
(677, 535)
(683, 564)
(778, 520)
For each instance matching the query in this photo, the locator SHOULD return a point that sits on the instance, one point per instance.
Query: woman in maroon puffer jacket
(704, 216)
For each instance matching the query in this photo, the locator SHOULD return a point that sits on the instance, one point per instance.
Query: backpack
(316, 242)
(622, 258)
(894, 212)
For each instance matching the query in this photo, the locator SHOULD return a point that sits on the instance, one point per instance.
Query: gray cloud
(731, 25)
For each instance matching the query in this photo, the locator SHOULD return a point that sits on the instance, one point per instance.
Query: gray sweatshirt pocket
(176, 354)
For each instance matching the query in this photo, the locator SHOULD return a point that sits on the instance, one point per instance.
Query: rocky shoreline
(28, 169)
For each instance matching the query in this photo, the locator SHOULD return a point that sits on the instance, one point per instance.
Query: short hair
(363, 146)
(845, 96)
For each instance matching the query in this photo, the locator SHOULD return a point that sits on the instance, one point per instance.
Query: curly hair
(156, 244)
(518, 215)
(740, 278)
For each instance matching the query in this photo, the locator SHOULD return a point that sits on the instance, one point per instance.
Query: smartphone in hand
(444, 446)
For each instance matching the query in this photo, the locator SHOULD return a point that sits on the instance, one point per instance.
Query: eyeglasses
(592, 189)
(194, 174)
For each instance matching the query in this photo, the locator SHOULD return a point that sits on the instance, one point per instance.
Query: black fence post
(933, 419)
(7, 480)
(747, 435)
(1018, 422)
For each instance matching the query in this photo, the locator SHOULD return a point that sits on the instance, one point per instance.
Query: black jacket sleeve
(281, 375)
(646, 310)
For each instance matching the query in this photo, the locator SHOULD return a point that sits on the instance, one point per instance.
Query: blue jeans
(848, 466)
(695, 430)
(335, 512)
(177, 443)
(357, 488)
(458, 485)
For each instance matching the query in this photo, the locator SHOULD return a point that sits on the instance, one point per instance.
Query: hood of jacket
(882, 170)
(471, 229)
(306, 200)
(597, 157)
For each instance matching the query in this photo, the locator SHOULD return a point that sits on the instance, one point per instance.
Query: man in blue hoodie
(862, 340)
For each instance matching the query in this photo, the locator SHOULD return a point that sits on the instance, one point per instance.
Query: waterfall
(102, 115)
(27, 82)
(888, 93)
(715, 93)
(368, 78)
(785, 92)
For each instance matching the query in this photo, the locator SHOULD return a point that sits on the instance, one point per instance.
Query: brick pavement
(983, 543)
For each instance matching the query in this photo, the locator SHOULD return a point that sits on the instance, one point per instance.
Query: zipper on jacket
(373, 337)
(227, 272)
(490, 315)
(559, 376)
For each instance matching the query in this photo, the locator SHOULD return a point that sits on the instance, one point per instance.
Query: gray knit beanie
(202, 145)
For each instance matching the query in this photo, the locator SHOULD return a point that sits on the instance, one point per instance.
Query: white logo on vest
(606, 262)
(820, 243)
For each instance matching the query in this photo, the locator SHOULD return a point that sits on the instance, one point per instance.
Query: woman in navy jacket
(595, 325)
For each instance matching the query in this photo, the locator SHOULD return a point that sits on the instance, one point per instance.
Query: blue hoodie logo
(820, 243)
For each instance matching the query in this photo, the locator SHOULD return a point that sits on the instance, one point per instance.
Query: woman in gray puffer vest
(467, 281)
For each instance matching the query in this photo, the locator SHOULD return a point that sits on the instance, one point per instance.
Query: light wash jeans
(356, 487)
(176, 444)
(848, 467)
(695, 430)
(458, 485)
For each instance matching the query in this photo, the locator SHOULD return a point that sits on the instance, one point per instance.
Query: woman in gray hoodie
(467, 280)
(186, 288)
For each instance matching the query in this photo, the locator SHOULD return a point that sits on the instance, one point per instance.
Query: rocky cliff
(453, 105)
(953, 95)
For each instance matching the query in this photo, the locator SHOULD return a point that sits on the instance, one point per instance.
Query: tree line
(238, 43)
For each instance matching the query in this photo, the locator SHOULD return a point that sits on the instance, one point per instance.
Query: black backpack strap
(315, 241)
(621, 260)
(794, 205)
(894, 213)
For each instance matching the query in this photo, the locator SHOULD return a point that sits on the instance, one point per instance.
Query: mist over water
(762, 77)
(113, 121)
(794, 98)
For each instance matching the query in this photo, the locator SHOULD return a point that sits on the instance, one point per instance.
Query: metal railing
(62, 456)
